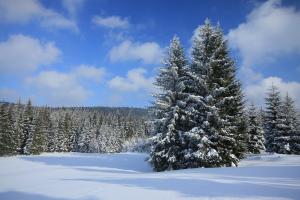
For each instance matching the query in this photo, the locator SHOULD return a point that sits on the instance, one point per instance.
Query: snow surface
(63, 176)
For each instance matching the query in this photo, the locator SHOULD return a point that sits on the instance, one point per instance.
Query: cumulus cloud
(270, 31)
(65, 88)
(257, 92)
(72, 6)
(24, 53)
(148, 52)
(89, 72)
(21, 11)
(134, 81)
(59, 88)
(111, 22)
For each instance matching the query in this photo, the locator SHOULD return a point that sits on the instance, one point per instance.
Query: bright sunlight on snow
(53, 176)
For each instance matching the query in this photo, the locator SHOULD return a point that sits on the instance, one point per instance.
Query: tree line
(200, 119)
(25, 129)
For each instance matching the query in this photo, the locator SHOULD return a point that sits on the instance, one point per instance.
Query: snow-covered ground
(126, 176)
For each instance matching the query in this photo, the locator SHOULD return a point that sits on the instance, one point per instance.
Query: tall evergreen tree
(86, 137)
(3, 122)
(52, 138)
(218, 103)
(227, 94)
(169, 110)
(273, 119)
(203, 116)
(289, 140)
(69, 132)
(39, 135)
(62, 134)
(256, 133)
(18, 115)
(27, 127)
(8, 135)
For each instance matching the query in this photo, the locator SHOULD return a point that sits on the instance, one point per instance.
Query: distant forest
(27, 129)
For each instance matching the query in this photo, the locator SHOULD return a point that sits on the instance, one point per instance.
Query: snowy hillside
(126, 176)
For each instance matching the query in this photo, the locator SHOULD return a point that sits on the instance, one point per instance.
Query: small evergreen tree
(255, 132)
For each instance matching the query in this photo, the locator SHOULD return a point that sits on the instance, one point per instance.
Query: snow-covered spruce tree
(27, 127)
(70, 132)
(61, 138)
(86, 136)
(273, 119)
(48, 130)
(227, 94)
(256, 139)
(18, 115)
(4, 150)
(8, 134)
(216, 101)
(39, 135)
(289, 140)
(205, 123)
(167, 152)
(51, 137)
(65, 133)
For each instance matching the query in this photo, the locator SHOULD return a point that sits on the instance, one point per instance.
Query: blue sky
(107, 52)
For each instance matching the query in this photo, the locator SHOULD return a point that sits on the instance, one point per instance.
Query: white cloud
(65, 88)
(134, 81)
(111, 22)
(23, 53)
(21, 11)
(59, 88)
(72, 6)
(257, 92)
(270, 31)
(89, 72)
(148, 52)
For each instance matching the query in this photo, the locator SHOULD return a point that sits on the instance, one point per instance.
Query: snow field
(66, 176)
